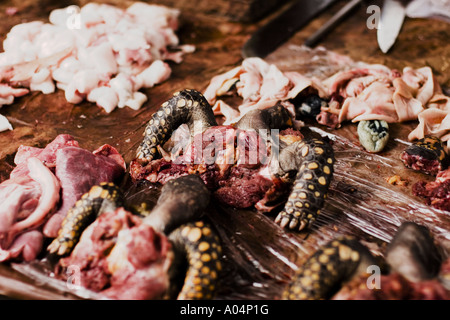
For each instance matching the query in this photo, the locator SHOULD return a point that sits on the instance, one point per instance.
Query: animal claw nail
(293, 224)
(278, 218)
(303, 224)
(284, 222)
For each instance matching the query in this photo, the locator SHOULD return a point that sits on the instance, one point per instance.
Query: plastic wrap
(259, 257)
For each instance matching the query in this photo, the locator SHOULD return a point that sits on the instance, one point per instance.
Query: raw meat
(44, 181)
(375, 92)
(366, 92)
(393, 287)
(46, 155)
(436, 193)
(28, 200)
(49, 186)
(221, 156)
(121, 258)
(78, 170)
(98, 53)
(261, 85)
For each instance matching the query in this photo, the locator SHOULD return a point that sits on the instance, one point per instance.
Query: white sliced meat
(82, 49)
(214, 88)
(136, 100)
(156, 73)
(50, 187)
(432, 121)
(260, 85)
(221, 108)
(28, 245)
(406, 105)
(85, 81)
(104, 97)
(102, 58)
(8, 93)
(4, 124)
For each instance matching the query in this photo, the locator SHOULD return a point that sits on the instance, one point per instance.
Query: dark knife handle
(277, 31)
(330, 24)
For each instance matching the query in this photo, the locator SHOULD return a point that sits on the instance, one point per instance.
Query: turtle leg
(181, 200)
(185, 107)
(313, 159)
(100, 198)
(180, 206)
(200, 246)
(325, 271)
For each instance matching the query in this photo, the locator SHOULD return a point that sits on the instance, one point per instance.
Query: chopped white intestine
(93, 51)
(4, 124)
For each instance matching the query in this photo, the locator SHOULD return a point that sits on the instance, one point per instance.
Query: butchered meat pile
(43, 186)
(365, 92)
(121, 257)
(99, 53)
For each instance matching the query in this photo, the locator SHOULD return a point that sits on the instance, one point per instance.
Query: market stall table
(218, 37)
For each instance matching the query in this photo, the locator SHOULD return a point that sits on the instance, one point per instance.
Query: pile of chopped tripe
(99, 53)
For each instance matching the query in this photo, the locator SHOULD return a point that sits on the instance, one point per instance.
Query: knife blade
(391, 21)
(281, 28)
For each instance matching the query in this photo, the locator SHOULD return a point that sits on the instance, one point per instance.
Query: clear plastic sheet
(259, 257)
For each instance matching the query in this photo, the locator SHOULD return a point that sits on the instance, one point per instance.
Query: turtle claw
(292, 222)
(303, 225)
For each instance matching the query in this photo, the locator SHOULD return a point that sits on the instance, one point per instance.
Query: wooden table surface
(38, 118)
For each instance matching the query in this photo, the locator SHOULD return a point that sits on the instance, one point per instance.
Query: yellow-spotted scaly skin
(326, 270)
(106, 196)
(315, 161)
(185, 107)
(203, 250)
(427, 155)
(434, 145)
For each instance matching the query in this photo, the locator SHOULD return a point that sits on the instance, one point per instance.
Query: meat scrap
(396, 180)
(392, 287)
(375, 92)
(426, 155)
(213, 155)
(98, 53)
(260, 85)
(436, 193)
(45, 183)
(27, 200)
(368, 92)
(135, 268)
